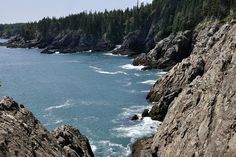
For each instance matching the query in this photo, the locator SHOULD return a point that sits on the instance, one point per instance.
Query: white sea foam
(132, 67)
(99, 70)
(136, 74)
(144, 91)
(58, 121)
(93, 147)
(111, 54)
(135, 129)
(112, 149)
(127, 84)
(145, 127)
(162, 73)
(57, 52)
(150, 82)
(64, 105)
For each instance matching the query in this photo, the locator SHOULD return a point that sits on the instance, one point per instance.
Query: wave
(145, 91)
(162, 72)
(150, 82)
(132, 67)
(134, 129)
(99, 70)
(66, 104)
(116, 55)
(57, 52)
(142, 128)
(108, 148)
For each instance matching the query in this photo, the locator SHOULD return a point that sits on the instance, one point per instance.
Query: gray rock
(145, 113)
(72, 141)
(200, 119)
(167, 52)
(135, 117)
(21, 134)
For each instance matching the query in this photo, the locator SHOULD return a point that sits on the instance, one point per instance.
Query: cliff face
(196, 99)
(21, 134)
(65, 42)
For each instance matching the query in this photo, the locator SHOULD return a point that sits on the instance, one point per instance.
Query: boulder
(145, 113)
(135, 117)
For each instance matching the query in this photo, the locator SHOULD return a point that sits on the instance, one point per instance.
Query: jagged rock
(135, 117)
(64, 42)
(47, 51)
(72, 141)
(145, 113)
(21, 134)
(167, 52)
(142, 148)
(169, 86)
(201, 118)
(135, 43)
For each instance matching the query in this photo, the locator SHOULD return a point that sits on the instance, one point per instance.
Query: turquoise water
(95, 92)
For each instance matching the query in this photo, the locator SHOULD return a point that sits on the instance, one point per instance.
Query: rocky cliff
(64, 42)
(21, 134)
(196, 99)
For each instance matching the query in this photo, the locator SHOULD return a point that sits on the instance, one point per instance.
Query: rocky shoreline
(21, 134)
(195, 99)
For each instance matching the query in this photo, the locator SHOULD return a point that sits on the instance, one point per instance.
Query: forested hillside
(153, 21)
(112, 25)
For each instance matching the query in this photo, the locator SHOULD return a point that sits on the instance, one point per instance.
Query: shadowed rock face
(167, 52)
(200, 119)
(64, 42)
(21, 134)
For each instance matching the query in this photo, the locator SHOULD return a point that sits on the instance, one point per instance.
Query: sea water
(95, 92)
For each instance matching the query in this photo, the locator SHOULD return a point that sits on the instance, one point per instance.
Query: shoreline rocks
(167, 52)
(64, 42)
(21, 134)
(196, 99)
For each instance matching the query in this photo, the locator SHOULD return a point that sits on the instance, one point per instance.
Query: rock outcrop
(64, 42)
(197, 98)
(72, 141)
(21, 134)
(167, 52)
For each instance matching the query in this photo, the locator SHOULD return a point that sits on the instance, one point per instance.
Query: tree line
(167, 16)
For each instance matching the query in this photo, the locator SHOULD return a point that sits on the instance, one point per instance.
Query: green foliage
(113, 25)
(185, 14)
(167, 16)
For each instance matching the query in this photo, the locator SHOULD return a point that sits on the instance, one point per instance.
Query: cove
(95, 92)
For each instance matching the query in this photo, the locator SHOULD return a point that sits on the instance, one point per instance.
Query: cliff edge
(196, 99)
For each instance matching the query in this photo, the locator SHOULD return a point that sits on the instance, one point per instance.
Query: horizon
(31, 10)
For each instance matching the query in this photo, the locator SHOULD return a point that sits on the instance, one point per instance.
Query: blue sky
(13, 11)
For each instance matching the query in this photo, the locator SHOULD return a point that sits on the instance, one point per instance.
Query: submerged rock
(21, 134)
(135, 117)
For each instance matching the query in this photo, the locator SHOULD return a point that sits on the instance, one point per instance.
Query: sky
(16, 11)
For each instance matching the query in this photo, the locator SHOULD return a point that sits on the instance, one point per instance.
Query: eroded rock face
(64, 42)
(21, 134)
(167, 52)
(135, 43)
(200, 120)
(72, 141)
